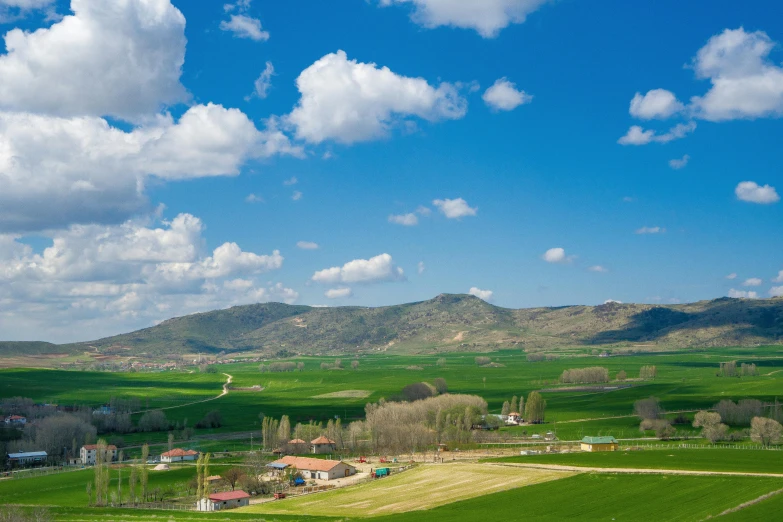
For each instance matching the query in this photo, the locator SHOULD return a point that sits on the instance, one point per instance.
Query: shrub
(213, 419)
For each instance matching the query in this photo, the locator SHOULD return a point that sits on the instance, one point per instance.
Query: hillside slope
(451, 323)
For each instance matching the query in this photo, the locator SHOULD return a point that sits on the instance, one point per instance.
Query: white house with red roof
(221, 501)
(16, 420)
(311, 468)
(178, 455)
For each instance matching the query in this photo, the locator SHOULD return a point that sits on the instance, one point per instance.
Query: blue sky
(168, 184)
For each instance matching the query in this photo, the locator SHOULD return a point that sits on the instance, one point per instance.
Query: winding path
(229, 379)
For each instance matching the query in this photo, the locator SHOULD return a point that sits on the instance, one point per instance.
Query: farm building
(322, 445)
(514, 418)
(221, 501)
(178, 455)
(89, 451)
(27, 458)
(599, 444)
(315, 468)
(16, 420)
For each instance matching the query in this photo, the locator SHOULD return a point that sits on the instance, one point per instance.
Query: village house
(16, 420)
(221, 501)
(600, 444)
(514, 418)
(315, 468)
(322, 445)
(89, 451)
(27, 458)
(178, 455)
(297, 446)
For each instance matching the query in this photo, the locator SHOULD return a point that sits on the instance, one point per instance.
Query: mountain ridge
(448, 322)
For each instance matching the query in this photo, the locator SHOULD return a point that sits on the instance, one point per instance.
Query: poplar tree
(145, 454)
(206, 489)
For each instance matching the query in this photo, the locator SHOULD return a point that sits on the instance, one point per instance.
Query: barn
(600, 444)
(315, 468)
(221, 501)
(27, 458)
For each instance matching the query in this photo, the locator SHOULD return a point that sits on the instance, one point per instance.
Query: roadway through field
(636, 471)
(223, 393)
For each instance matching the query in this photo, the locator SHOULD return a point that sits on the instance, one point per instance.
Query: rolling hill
(448, 323)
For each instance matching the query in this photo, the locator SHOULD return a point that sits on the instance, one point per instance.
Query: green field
(738, 460)
(68, 489)
(607, 497)
(686, 381)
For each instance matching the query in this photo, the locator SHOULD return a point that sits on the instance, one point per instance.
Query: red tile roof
(308, 463)
(321, 440)
(228, 495)
(110, 447)
(296, 441)
(177, 452)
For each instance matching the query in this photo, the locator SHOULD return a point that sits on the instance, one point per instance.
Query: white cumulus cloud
(307, 245)
(122, 58)
(776, 291)
(557, 255)
(657, 103)
(598, 268)
(486, 295)
(377, 269)
(349, 101)
(779, 278)
(243, 26)
(753, 281)
(732, 275)
(455, 208)
(504, 96)
(408, 220)
(636, 135)
(650, 230)
(105, 279)
(752, 192)
(680, 163)
(742, 294)
(338, 293)
(487, 17)
(57, 171)
(745, 83)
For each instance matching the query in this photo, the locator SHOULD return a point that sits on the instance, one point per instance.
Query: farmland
(686, 381)
(607, 497)
(728, 460)
(400, 493)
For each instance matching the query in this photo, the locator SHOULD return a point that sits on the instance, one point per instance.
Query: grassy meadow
(686, 381)
(707, 459)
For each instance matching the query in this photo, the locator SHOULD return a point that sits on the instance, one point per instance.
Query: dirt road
(229, 379)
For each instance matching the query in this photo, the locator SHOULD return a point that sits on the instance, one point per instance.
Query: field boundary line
(637, 471)
(749, 503)
(229, 379)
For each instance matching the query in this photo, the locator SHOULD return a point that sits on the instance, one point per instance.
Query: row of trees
(763, 430)
(281, 367)
(513, 406)
(648, 373)
(729, 369)
(593, 374)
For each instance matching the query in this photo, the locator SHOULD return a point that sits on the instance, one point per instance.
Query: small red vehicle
(279, 496)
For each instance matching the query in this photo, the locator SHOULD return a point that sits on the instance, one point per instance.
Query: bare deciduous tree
(647, 408)
(765, 431)
(232, 476)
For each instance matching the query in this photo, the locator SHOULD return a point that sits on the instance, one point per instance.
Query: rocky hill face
(452, 323)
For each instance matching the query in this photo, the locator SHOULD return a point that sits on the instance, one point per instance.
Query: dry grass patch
(345, 394)
(424, 487)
